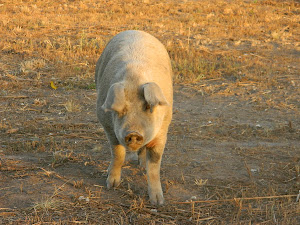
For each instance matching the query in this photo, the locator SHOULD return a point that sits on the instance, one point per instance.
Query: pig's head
(137, 112)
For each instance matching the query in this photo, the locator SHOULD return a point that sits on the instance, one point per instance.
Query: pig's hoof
(113, 182)
(157, 198)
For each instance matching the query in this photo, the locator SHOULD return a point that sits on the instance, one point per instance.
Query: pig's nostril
(134, 138)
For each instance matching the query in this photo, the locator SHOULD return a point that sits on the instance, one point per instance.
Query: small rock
(81, 198)
(254, 170)
(193, 197)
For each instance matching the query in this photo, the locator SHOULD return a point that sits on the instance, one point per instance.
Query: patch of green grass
(91, 86)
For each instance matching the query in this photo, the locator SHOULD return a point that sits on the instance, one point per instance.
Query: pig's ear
(154, 95)
(115, 99)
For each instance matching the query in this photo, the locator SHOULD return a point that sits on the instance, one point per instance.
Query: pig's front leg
(142, 157)
(118, 153)
(153, 161)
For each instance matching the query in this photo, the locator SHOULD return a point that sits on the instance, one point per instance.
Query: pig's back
(134, 47)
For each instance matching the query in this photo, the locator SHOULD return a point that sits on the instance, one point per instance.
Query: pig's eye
(148, 108)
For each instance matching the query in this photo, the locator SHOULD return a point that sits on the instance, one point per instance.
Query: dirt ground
(53, 162)
(233, 150)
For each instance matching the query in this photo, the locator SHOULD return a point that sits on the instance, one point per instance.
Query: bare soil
(53, 162)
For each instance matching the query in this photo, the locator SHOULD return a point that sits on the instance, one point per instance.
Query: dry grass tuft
(71, 106)
(32, 65)
(200, 182)
(49, 204)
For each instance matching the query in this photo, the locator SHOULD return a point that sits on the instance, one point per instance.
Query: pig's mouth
(134, 148)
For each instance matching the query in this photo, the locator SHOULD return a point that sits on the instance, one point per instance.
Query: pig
(134, 103)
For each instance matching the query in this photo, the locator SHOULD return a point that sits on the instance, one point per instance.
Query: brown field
(233, 151)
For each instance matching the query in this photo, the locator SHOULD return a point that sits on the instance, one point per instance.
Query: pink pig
(134, 104)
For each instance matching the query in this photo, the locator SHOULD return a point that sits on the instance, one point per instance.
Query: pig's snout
(134, 140)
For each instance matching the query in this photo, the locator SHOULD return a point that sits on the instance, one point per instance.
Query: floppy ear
(154, 95)
(115, 99)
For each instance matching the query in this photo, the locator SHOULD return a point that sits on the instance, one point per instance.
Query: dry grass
(221, 50)
(205, 40)
(72, 106)
(247, 44)
(32, 65)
